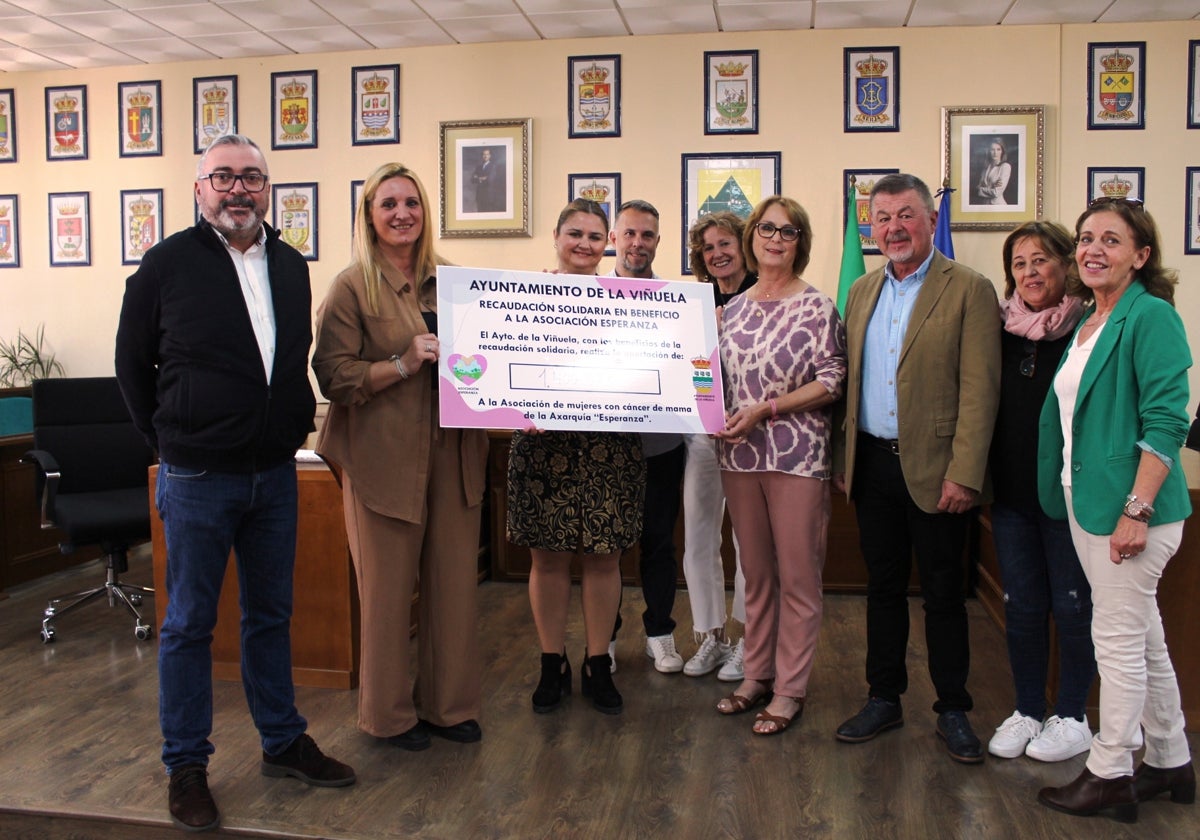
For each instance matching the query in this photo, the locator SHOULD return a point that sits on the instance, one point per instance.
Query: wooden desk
(325, 608)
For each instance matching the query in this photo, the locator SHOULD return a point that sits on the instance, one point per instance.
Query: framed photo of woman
(993, 158)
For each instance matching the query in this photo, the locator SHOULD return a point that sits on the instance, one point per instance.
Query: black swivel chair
(92, 480)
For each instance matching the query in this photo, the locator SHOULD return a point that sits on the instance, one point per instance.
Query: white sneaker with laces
(1014, 735)
(732, 671)
(662, 650)
(1061, 738)
(713, 653)
(612, 655)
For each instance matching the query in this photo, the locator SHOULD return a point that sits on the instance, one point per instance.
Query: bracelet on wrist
(395, 359)
(774, 409)
(1136, 509)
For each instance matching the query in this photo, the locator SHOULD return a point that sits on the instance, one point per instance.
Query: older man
(923, 339)
(212, 357)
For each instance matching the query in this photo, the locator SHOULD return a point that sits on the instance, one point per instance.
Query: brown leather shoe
(1150, 781)
(304, 760)
(1089, 795)
(192, 806)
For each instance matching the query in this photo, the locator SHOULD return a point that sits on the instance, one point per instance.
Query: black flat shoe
(555, 683)
(413, 740)
(467, 732)
(877, 716)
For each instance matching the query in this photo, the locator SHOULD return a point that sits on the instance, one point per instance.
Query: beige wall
(662, 103)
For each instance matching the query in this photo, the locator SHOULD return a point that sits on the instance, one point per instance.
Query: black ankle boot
(555, 683)
(596, 682)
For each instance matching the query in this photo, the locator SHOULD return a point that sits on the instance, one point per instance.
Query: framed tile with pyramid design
(734, 182)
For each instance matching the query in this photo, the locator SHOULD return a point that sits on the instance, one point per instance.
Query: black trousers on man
(891, 527)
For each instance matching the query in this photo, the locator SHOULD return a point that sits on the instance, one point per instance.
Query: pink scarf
(1042, 324)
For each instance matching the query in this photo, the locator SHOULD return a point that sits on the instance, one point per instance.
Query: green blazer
(1134, 390)
(947, 379)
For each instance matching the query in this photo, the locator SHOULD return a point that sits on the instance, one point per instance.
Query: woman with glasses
(1108, 462)
(1043, 303)
(576, 496)
(783, 360)
(412, 491)
(715, 253)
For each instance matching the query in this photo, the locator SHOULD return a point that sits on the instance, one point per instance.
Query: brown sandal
(740, 705)
(781, 723)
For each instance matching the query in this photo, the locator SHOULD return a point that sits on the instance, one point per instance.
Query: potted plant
(26, 359)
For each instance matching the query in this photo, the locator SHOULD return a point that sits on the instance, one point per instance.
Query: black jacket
(189, 365)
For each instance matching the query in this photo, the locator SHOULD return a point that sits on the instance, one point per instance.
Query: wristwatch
(1137, 509)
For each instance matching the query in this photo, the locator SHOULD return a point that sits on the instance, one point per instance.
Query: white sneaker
(732, 671)
(1014, 735)
(1061, 738)
(662, 650)
(712, 653)
(612, 655)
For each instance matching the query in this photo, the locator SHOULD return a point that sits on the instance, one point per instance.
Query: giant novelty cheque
(524, 349)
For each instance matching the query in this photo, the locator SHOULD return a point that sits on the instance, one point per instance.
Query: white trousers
(1137, 681)
(703, 515)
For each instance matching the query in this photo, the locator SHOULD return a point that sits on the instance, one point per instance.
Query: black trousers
(891, 528)
(659, 570)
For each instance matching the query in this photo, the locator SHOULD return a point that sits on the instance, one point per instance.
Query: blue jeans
(205, 514)
(1042, 576)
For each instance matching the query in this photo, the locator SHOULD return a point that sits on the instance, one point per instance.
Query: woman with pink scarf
(1041, 573)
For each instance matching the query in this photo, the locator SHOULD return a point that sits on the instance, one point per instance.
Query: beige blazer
(383, 440)
(947, 380)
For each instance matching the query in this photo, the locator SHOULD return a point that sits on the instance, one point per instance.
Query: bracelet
(774, 409)
(1136, 509)
(395, 359)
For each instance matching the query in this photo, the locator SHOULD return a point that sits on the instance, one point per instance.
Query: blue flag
(941, 235)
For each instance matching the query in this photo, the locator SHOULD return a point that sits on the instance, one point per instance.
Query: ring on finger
(1125, 556)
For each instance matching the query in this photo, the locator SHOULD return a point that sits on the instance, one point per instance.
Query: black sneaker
(191, 803)
(304, 760)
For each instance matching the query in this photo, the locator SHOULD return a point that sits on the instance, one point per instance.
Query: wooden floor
(79, 747)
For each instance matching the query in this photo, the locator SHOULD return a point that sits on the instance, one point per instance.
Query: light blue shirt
(881, 351)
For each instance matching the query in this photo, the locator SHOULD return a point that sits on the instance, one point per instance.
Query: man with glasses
(635, 238)
(923, 340)
(212, 358)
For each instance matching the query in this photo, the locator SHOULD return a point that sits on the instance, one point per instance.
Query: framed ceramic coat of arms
(375, 104)
(1117, 85)
(594, 96)
(8, 126)
(141, 223)
(871, 97)
(70, 228)
(295, 215)
(66, 123)
(731, 92)
(139, 116)
(294, 110)
(10, 232)
(214, 109)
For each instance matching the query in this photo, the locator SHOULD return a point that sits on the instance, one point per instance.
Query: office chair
(92, 480)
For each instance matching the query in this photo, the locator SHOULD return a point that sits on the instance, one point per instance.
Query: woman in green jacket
(1108, 461)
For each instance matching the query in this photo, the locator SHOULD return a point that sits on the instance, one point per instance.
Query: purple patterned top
(772, 347)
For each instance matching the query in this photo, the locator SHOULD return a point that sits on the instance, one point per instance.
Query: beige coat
(383, 440)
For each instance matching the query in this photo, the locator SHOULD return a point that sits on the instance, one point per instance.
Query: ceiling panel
(18, 60)
(584, 24)
(175, 30)
(90, 54)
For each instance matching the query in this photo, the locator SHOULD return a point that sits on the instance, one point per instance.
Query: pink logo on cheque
(468, 369)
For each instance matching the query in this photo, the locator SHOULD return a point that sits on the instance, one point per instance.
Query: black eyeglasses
(252, 182)
(787, 233)
(1135, 203)
(1029, 363)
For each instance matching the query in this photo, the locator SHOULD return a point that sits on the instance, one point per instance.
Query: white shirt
(256, 289)
(1066, 388)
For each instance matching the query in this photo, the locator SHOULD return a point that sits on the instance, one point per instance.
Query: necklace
(1097, 318)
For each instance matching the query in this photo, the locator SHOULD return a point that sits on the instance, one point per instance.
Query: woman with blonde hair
(412, 491)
